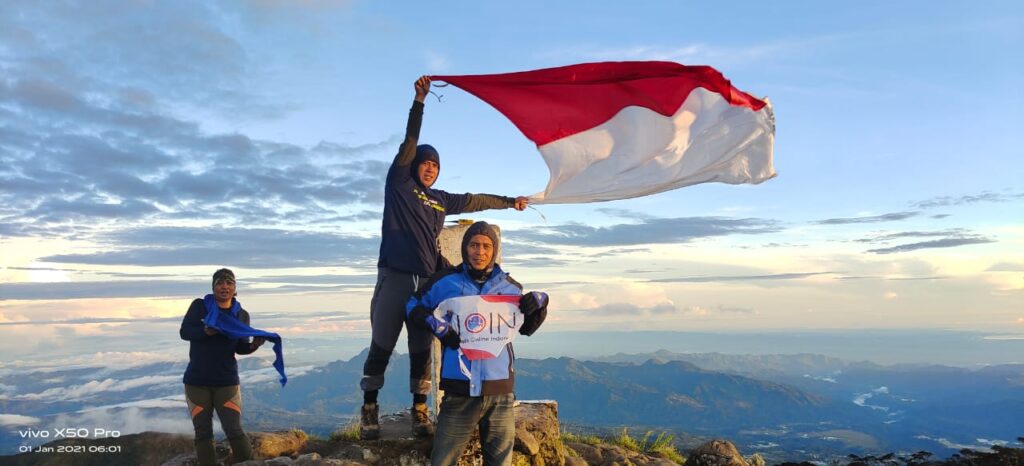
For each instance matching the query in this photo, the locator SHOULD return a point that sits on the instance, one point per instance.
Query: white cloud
(133, 420)
(436, 62)
(270, 374)
(97, 386)
(172, 402)
(17, 420)
(103, 359)
(954, 445)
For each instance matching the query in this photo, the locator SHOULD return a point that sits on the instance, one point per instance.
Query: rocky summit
(538, 443)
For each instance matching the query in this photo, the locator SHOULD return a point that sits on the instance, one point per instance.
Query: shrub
(661, 446)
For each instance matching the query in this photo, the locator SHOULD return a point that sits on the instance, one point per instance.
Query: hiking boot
(206, 452)
(421, 425)
(241, 449)
(369, 426)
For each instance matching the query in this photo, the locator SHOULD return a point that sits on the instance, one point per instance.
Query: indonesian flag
(617, 130)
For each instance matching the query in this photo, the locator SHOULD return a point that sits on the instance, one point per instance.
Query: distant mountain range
(784, 406)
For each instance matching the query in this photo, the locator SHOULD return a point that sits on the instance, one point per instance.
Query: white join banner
(486, 323)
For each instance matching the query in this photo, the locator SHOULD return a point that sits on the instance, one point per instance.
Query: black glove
(418, 317)
(533, 321)
(450, 338)
(533, 301)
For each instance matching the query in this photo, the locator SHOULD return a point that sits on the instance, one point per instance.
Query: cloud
(617, 252)
(188, 52)
(624, 213)
(1006, 267)
(891, 217)
(647, 231)
(106, 289)
(436, 62)
(84, 140)
(940, 243)
(132, 420)
(329, 279)
(165, 288)
(240, 247)
(734, 278)
(883, 238)
(721, 56)
(84, 320)
(270, 374)
(987, 196)
(8, 420)
(623, 309)
(94, 387)
(172, 402)
(535, 262)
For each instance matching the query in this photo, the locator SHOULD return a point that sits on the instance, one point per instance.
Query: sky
(145, 144)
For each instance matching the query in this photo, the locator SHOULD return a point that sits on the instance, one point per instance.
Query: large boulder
(274, 444)
(538, 433)
(716, 452)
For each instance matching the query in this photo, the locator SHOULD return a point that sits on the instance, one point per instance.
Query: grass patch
(348, 433)
(661, 445)
(580, 438)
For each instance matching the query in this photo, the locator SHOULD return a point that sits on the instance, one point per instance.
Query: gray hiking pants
(387, 316)
(461, 415)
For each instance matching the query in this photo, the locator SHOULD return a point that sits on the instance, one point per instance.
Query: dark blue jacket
(211, 359)
(414, 214)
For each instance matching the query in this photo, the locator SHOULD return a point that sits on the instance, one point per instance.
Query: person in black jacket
(211, 378)
(414, 214)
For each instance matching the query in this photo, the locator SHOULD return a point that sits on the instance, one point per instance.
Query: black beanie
(488, 230)
(424, 152)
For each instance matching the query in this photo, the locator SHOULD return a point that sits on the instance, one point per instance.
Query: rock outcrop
(716, 453)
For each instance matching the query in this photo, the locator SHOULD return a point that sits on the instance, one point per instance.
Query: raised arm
(407, 151)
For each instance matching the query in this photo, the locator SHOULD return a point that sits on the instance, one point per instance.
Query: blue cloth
(231, 327)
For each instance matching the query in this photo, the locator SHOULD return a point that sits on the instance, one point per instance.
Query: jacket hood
(490, 231)
(424, 152)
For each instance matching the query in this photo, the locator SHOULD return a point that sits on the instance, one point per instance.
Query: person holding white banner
(478, 384)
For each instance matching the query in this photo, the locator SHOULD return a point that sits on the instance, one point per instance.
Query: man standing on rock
(414, 215)
(477, 393)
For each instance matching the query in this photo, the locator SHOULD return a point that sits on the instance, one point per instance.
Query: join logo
(475, 322)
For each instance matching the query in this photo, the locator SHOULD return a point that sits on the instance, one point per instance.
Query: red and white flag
(617, 130)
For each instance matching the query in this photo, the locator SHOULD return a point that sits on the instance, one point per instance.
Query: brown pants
(227, 402)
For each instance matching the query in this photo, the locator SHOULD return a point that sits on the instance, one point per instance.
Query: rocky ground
(538, 443)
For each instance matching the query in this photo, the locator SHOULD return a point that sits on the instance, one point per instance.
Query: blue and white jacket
(489, 376)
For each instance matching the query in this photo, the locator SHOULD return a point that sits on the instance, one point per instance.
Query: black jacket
(414, 215)
(211, 359)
